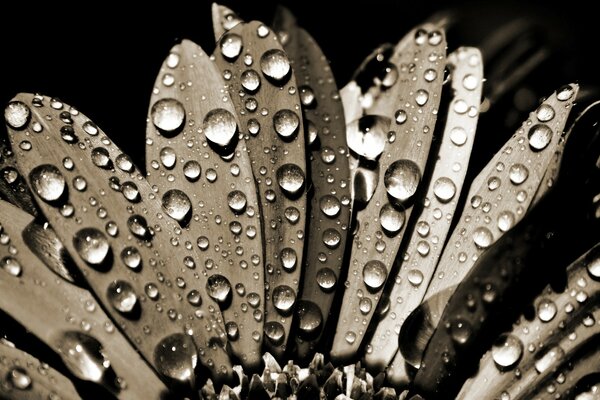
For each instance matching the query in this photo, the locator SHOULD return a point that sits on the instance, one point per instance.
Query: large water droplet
(121, 296)
(564, 93)
(175, 357)
(290, 178)
(131, 257)
(19, 378)
(11, 266)
(401, 179)
(91, 245)
(483, 237)
(310, 318)
(250, 80)
(138, 226)
(219, 126)
(168, 157)
(444, 189)
(176, 204)
(545, 113)
(101, 158)
(546, 310)
(326, 279)
(218, 288)
(274, 332)
(331, 238)
(83, 356)
(289, 258)
(286, 123)
(415, 277)
(168, 115)
(284, 298)
(391, 219)
(421, 97)
(231, 45)
(17, 114)
(540, 136)
(551, 358)
(237, 201)
(275, 64)
(374, 274)
(330, 205)
(506, 220)
(192, 170)
(458, 136)
(47, 182)
(367, 136)
(518, 173)
(507, 351)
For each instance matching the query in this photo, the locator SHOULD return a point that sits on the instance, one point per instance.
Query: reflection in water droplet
(458, 136)
(274, 332)
(290, 178)
(326, 279)
(275, 64)
(250, 80)
(83, 356)
(401, 179)
(367, 136)
(17, 114)
(286, 123)
(310, 317)
(506, 220)
(460, 331)
(167, 115)
(444, 189)
(151, 291)
(237, 201)
(593, 264)
(350, 337)
(292, 214)
(284, 298)
(138, 226)
(518, 173)
(121, 296)
(288, 259)
(168, 158)
(47, 182)
(331, 238)
(483, 237)
(131, 257)
(545, 113)
(192, 170)
(470, 82)
(564, 93)
(330, 205)
(307, 96)
(91, 245)
(218, 288)
(421, 97)
(391, 219)
(540, 136)
(415, 277)
(194, 298)
(233, 331)
(552, 358)
(90, 128)
(374, 274)
(546, 310)
(507, 351)
(176, 204)
(219, 126)
(19, 379)
(231, 45)
(11, 266)
(175, 357)
(101, 158)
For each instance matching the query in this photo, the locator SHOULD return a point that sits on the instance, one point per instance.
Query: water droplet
(390, 76)
(176, 204)
(192, 170)
(402, 179)
(131, 257)
(151, 291)
(421, 97)
(219, 126)
(552, 357)
(310, 318)
(101, 158)
(420, 36)
(331, 238)
(546, 310)
(286, 123)
(233, 332)
(91, 245)
(121, 296)
(284, 298)
(124, 163)
(401, 117)
(218, 288)
(327, 155)
(435, 38)
(593, 263)
(507, 351)
(231, 45)
(168, 115)
(518, 173)
(365, 305)
(374, 274)
(444, 189)
(330, 205)
(138, 226)
(79, 183)
(494, 183)
(326, 279)
(564, 93)
(47, 182)
(19, 378)
(460, 331)
(540, 136)
(194, 298)
(423, 248)
(292, 214)
(470, 82)
(430, 75)
(11, 266)
(350, 337)
(90, 128)
(367, 136)
(130, 191)
(545, 113)
(391, 219)
(290, 178)
(237, 201)
(83, 356)
(288, 259)
(17, 114)
(274, 332)
(250, 80)
(275, 64)
(458, 136)
(506, 220)
(175, 357)
(172, 60)
(483, 237)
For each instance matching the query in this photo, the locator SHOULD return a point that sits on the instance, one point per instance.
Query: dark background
(103, 60)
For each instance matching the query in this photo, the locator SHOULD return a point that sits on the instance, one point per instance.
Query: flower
(281, 219)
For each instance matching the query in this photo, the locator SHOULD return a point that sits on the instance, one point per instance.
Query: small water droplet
(365, 305)
(391, 219)
(460, 331)
(310, 318)
(219, 126)
(470, 82)
(435, 38)
(192, 170)
(17, 114)
(290, 178)
(91, 245)
(19, 378)
(330, 205)
(374, 274)
(289, 259)
(131, 257)
(507, 351)
(168, 115)
(237, 201)
(326, 279)
(101, 158)
(350, 337)
(564, 93)
(218, 288)
(47, 182)
(193, 297)
(518, 173)
(421, 97)
(286, 123)
(292, 214)
(430, 75)
(231, 45)
(151, 291)
(90, 128)
(545, 113)
(401, 117)
(546, 310)
(331, 238)
(444, 189)
(138, 226)
(506, 220)
(11, 266)
(130, 191)
(540, 136)
(458, 136)
(551, 358)
(482, 237)
(275, 64)
(250, 80)
(415, 277)
(401, 179)
(284, 298)
(176, 204)
(121, 296)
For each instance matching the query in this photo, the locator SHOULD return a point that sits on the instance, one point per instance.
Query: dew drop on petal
(167, 115)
